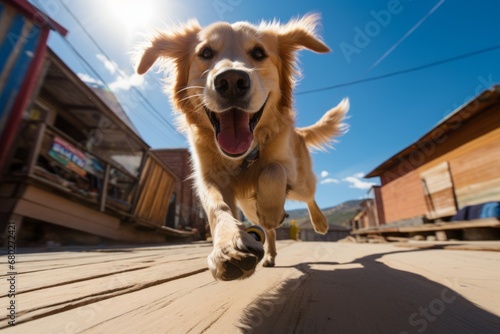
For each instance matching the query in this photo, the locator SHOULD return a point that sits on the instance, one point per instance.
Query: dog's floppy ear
(172, 44)
(300, 33)
(293, 36)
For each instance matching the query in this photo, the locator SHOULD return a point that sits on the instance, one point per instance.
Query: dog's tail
(320, 135)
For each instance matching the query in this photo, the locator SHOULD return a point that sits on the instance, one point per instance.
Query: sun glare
(131, 14)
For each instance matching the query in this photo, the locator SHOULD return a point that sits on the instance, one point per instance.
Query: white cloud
(356, 182)
(88, 79)
(126, 82)
(324, 173)
(110, 65)
(329, 180)
(122, 81)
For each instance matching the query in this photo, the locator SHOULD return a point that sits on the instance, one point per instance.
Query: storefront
(75, 163)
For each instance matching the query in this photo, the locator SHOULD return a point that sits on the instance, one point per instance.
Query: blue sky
(368, 38)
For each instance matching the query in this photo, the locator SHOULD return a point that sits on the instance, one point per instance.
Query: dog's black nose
(232, 84)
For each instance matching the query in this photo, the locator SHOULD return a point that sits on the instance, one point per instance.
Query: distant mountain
(339, 215)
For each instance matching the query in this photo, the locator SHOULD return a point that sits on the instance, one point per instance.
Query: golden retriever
(233, 85)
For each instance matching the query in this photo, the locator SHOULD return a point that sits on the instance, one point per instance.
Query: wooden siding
(379, 207)
(48, 207)
(155, 190)
(438, 190)
(368, 216)
(447, 146)
(187, 206)
(472, 151)
(54, 206)
(178, 162)
(477, 174)
(470, 137)
(403, 198)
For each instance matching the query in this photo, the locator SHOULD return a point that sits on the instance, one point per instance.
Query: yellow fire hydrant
(294, 230)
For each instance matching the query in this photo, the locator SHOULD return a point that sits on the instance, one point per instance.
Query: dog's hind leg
(270, 248)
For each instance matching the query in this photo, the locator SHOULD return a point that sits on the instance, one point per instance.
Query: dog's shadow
(365, 296)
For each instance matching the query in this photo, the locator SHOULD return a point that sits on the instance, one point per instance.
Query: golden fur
(233, 72)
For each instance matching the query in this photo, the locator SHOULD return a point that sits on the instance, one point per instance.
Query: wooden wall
(476, 175)
(460, 168)
(368, 217)
(46, 206)
(187, 205)
(403, 198)
(156, 186)
(178, 162)
(379, 206)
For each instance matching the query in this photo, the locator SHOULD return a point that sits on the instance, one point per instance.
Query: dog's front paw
(235, 257)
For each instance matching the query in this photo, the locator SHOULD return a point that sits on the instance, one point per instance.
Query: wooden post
(455, 200)
(104, 189)
(36, 148)
(138, 179)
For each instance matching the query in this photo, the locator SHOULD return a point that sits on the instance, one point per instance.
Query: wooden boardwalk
(315, 288)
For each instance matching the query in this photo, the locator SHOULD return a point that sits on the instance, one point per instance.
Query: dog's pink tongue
(234, 136)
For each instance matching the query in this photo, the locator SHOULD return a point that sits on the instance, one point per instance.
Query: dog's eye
(258, 53)
(206, 53)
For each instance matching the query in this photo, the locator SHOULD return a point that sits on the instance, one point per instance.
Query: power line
(148, 125)
(117, 68)
(80, 58)
(158, 115)
(87, 65)
(413, 69)
(155, 113)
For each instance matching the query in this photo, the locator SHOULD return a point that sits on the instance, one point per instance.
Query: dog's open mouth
(234, 129)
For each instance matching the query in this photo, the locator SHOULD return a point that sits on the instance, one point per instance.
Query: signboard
(94, 166)
(69, 156)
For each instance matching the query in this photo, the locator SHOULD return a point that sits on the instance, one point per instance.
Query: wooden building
(367, 216)
(23, 37)
(72, 161)
(335, 233)
(455, 165)
(185, 211)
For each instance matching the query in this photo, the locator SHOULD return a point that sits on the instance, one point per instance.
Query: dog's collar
(251, 158)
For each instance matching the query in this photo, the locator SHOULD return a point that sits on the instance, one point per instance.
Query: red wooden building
(453, 166)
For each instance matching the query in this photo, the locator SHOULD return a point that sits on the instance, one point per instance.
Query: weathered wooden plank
(437, 178)
(79, 256)
(315, 288)
(480, 164)
(56, 298)
(98, 266)
(65, 208)
(485, 246)
(456, 225)
(479, 192)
